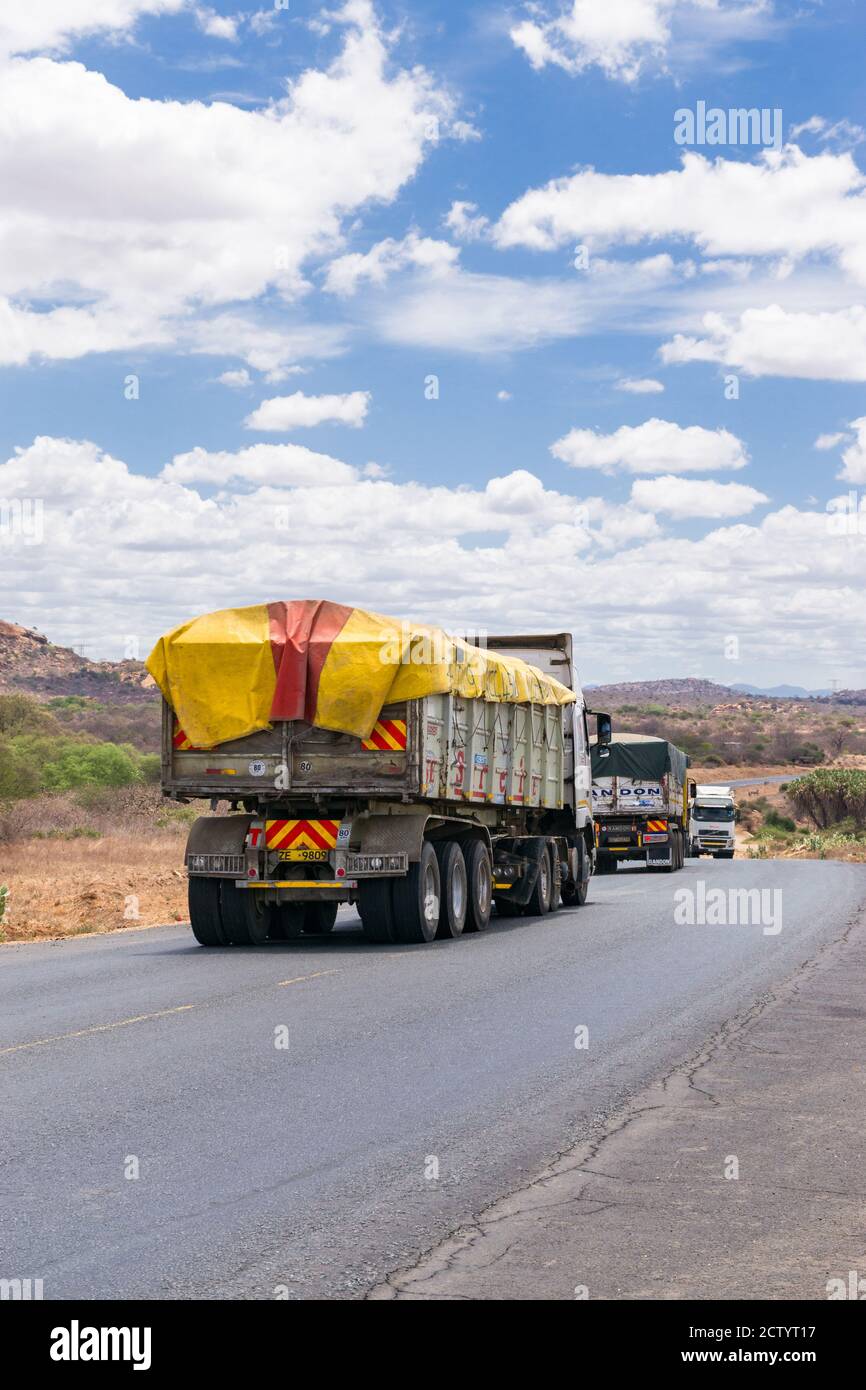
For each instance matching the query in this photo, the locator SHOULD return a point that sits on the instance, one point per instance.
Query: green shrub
(830, 795)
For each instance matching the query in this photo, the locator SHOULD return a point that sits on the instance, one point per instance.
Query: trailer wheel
(204, 911)
(287, 921)
(539, 900)
(376, 910)
(479, 875)
(454, 885)
(319, 918)
(247, 919)
(417, 898)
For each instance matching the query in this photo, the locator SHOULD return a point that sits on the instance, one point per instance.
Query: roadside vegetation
(827, 820)
(779, 733)
(50, 748)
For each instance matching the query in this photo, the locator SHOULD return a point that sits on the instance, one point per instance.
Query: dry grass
(69, 887)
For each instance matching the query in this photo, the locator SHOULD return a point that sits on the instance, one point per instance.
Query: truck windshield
(714, 812)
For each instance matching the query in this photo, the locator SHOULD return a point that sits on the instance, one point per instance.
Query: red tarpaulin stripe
(301, 633)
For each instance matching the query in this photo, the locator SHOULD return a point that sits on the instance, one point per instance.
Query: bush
(830, 795)
(772, 818)
(34, 763)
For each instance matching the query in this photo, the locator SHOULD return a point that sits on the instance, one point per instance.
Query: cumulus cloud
(640, 386)
(345, 274)
(279, 465)
(854, 457)
(51, 25)
(116, 212)
(828, 346)
(786, 205)
(623, 37)
(829, 441)
(693, 497)
(302, 524)
(464, 221)
(301, 412)
(657, 446)
(238, 380)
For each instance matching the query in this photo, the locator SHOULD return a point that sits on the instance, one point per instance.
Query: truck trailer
(640, 801)
(363, 760)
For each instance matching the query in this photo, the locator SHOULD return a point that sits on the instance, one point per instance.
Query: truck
(640, 801)
(425, 797)
(711, 827)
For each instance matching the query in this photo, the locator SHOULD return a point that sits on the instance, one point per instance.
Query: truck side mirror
(603, 728)
(693, 790)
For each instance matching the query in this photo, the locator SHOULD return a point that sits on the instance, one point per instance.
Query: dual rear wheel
(222, 914)
(448, 891)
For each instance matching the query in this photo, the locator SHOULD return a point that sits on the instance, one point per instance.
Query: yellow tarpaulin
(231, 673)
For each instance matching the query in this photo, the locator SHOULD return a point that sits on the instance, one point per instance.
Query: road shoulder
(740, 1174)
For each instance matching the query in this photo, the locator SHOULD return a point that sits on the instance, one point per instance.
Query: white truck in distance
(711, 825)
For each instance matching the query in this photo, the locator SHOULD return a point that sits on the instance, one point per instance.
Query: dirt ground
(70, 887)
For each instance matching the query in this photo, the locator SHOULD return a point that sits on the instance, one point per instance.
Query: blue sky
(212, 207)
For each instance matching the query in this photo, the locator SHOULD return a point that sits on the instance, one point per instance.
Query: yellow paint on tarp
(217, 672)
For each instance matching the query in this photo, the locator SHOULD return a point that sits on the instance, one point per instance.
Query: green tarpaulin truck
(640, 802)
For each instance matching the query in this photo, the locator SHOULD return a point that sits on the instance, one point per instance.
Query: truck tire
(288, 922)
(376, 910)
(204, 911)
(319, 918)
(479, 876)
(539, 899)
(454, 886)
(417, 899)
(246, 918)
(574, 895)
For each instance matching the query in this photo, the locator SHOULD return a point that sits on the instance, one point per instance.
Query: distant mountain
(781, 692)
(31, 665)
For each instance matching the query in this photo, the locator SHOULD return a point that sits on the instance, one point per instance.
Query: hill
(31, 665)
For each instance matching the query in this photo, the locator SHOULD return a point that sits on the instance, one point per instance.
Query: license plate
(306, 854)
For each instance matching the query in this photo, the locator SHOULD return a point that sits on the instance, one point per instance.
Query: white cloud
(827, 346)
(694, 497)
(116, 211)
(657, 446)
(786, 205)
(622, 36)
(791, 592)
(301, 412)
(32, 26)
(503, 395)
(276, 465)
(463, 221)
(216, 26)
(844, 134)
(829, 441)
(854, 457)
(346, 273)
(640, 386)
(238, 380)
(463, 311)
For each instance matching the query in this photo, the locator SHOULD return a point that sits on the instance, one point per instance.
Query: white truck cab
(711, 823)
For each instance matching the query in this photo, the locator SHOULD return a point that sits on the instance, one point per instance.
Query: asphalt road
(310, 1170)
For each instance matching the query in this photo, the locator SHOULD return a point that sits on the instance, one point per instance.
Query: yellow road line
(299, 979)
(100, 1028)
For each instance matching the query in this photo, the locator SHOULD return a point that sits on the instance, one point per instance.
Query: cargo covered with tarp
(640, 757)
(229, 674)
(640, 776)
